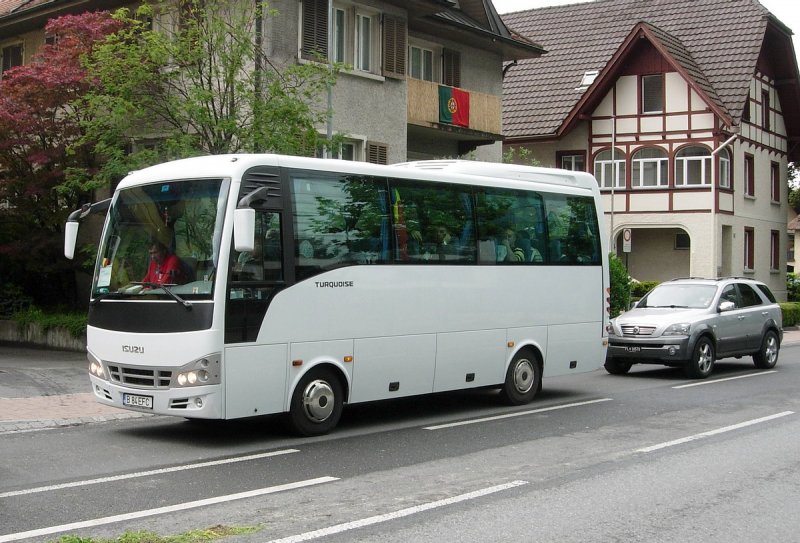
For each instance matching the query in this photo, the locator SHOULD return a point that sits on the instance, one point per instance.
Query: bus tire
(317, 403)
(523, 379)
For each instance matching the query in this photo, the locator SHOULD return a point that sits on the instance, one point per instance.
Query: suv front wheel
(701, 363)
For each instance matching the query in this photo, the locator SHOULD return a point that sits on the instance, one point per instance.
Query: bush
(13, 300)
(793, 287)
(74, 323)
(620, 285)
(641, 288)
(791, 313)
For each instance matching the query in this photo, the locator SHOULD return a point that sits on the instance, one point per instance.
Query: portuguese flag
(453, 106)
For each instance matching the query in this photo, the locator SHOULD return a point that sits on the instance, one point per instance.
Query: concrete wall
(12, 332)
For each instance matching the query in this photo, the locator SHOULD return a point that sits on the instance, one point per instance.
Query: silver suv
(693, 322)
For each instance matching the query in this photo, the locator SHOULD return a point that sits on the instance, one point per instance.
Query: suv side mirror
(726, 306)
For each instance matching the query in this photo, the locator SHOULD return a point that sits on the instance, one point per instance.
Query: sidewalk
(42, 389)
(48, 389)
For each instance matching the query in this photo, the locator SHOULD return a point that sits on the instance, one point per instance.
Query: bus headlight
(203, 371)
(96, 367)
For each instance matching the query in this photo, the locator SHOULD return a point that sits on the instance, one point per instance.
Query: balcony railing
(423, 107)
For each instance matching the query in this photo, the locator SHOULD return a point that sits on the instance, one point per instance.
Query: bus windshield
(162, 240)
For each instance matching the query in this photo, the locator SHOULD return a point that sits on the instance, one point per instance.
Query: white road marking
(713, 432)
(713, 381)
(516, 414)
(146, 473)
(346, 526)
(161, 510)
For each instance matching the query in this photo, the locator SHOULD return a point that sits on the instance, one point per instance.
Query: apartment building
(424, 77)
(686, 112)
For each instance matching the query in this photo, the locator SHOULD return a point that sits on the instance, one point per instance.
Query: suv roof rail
(684, 278)
(736, 277)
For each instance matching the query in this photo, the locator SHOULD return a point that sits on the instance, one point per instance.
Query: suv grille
(140, 377)
(634, 330)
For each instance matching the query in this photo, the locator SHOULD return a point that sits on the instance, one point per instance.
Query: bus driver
(165, 267)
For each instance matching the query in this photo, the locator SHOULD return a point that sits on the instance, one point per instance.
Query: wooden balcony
(423, 108)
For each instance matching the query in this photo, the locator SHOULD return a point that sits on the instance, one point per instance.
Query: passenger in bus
(165, 268)
(445, 244)
(508, 250)
(532, 254)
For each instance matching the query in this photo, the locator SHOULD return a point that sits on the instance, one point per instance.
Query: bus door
(254, 278)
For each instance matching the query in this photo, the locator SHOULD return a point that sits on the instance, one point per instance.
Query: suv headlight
(205, 371)
(680, 329)
(611, 329)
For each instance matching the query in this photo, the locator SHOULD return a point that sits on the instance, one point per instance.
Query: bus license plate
(633, 349)
(134, 400)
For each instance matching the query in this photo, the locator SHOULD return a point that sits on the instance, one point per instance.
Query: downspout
(508, 67)
(714, 249)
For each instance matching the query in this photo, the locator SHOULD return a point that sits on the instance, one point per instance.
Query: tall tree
(40, 135)
(195, 78)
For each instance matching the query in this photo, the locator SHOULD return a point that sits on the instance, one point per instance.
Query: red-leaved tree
(39, 134)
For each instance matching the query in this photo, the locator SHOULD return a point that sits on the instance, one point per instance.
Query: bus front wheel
(316, 403)
(523, 379)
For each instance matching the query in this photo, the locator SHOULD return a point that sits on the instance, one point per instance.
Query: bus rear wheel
(317, 403)
(523, 379)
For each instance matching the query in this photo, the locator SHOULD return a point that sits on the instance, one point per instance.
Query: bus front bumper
(200, 402)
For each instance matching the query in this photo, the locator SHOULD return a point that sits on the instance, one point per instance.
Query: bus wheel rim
(318, 400)
(523, 376)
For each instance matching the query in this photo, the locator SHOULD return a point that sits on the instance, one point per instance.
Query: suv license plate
(633, 349)
(134, 400)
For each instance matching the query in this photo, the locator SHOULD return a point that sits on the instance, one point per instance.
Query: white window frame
(339, 41)
(724, 169)
(356, 145)
(618, 165)
(682, 164)
(366, 59)
(749, 245)
(637, 181)
(568, 162)
(424, 63)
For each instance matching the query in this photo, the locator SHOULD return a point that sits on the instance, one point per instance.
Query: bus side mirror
(244, 229)
(70, 238)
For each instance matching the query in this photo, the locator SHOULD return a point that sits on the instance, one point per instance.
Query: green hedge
(641, 288)
(791, 313)
(75, 323)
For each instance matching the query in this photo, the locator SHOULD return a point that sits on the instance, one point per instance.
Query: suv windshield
(679, 295)
(162, 239)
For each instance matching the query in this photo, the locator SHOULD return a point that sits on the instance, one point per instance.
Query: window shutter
(315, 29)
(395, 38)
(451, 68)
(377, 153)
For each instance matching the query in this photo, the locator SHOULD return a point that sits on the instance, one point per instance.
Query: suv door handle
(741, 317)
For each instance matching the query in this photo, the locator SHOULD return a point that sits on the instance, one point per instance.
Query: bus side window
(264, 262)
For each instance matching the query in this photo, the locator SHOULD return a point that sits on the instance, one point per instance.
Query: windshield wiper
(164, 287)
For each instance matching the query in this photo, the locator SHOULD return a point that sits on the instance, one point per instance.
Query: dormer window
(653, 93)
(588, 78)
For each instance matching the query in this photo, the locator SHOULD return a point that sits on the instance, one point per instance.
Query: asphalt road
(642, 457)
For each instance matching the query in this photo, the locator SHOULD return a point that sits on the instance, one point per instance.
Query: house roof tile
(716, 42)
